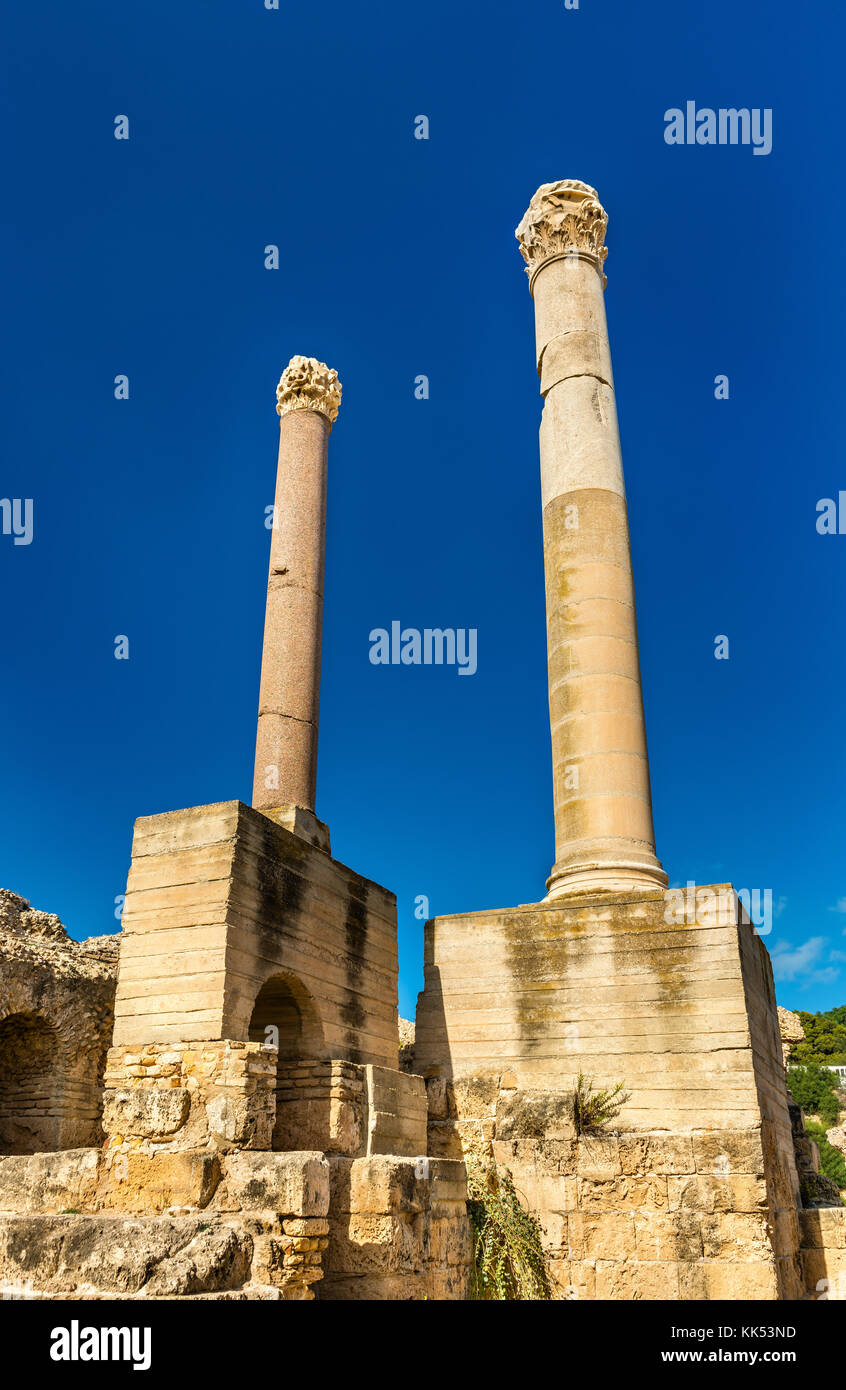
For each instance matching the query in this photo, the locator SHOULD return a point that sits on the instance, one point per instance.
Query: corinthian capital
(307, 384)
(563, 219)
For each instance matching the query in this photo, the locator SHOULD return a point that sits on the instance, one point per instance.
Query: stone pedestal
(222, 903)
(693, 1191)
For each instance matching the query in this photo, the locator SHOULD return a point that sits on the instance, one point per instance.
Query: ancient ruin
(231, 1111)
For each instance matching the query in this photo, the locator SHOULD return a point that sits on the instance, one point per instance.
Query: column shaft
(285, 774)
(603, 813)
(289, 697)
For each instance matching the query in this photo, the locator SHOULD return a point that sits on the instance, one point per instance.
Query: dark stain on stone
(536, 966)
(280, 888)
(355, 940)
(355, 928)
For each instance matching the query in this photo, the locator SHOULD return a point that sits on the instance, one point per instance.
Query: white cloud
(840, 906)
(810, 962)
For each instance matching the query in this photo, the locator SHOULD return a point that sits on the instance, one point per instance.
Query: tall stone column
(308, 396)
(603, 812)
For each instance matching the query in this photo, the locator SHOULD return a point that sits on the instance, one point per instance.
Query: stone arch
(284, 1003)
(302, 1072)
(33, 1103)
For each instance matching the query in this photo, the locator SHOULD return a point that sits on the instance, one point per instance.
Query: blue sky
(251, 127)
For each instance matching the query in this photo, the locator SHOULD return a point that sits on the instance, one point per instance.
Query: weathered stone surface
(790, 1030)
(218, 1257)
(820, 1191)
(398, 1229)
(729, 1151)
(51, 1182)
(56, 1003)
(294, 1183)
(668, 1236)
(656, 1153)
(534, 1115)
(823, 1228)
(735, 1236)
(83, 1256)
(145, 1112)
(105, 1253)
(238, 1120)
(136, 1181)
(636, 1279)
(709, 1194)
(836, 1136)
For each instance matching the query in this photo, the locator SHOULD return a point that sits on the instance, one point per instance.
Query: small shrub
(508, 1256)
(593, 1110)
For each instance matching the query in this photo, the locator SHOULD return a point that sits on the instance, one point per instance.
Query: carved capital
(563, 219)
(307, 384)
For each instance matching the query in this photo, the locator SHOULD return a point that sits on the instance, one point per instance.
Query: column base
(624, 876)
(300, 822)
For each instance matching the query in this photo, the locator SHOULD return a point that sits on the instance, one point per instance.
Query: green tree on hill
(825, 1038)
(814, 1088)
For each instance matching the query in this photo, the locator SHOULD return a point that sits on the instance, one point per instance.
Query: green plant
(508, 1256)
(592, 1110)
(813, 1087)
(831, 1159)
(825, 1037)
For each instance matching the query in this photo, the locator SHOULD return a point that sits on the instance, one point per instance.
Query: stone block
(726, 1151)
(623, 1194)
(217, 1258)
(111, 1254)
(135, 1181)
(599, 1157)
(668, 1236)
(710, 1193)
(293, 1184)
(573, 1280)
(383, 1184)
(728, 1279)
(735, 1236)
(145, 1112)
(633, 1279)
(50, 1181)
(534, 1115)
(821, 1229)
(656, 1153)
(605, 1237)
(243, 1120)
(824, 1274)
(473, 1097)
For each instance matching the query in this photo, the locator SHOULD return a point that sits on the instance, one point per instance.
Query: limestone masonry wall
(696, 1194)
(220, 900)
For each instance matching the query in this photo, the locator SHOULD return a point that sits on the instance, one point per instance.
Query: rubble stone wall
(56, 1001)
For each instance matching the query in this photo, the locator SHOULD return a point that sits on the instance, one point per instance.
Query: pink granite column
(308, 397)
